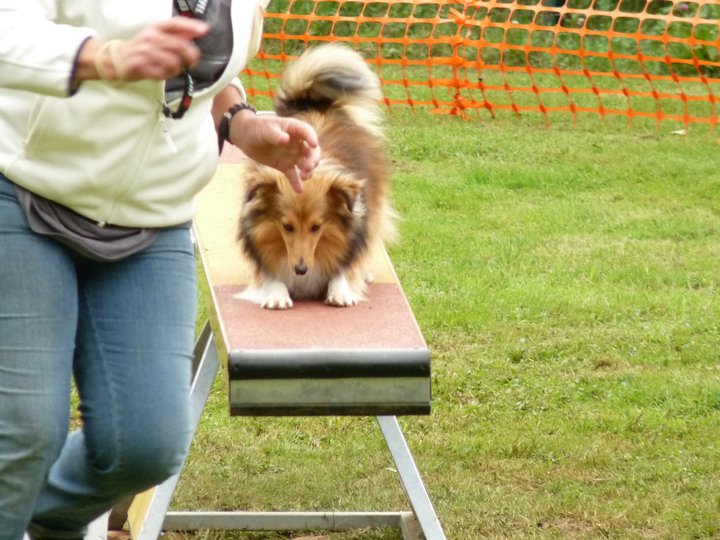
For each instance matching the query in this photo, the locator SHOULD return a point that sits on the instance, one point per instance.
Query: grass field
(567, 281)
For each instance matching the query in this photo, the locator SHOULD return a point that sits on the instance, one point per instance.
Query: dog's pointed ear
(344, 194)
(261, 190)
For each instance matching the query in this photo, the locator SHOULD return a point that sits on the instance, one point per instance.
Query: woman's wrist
(85, 69)
(238, 110)
(108, 61)
(99, 60)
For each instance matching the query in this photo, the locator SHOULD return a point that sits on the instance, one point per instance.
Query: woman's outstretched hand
(286, 144)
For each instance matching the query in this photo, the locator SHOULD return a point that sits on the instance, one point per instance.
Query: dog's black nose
(301, 269)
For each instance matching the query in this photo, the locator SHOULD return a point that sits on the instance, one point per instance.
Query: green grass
(567, 281)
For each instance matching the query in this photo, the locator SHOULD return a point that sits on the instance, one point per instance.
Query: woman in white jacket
(110, 118)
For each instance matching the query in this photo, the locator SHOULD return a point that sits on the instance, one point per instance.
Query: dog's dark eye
(315, 228)
(288, 227)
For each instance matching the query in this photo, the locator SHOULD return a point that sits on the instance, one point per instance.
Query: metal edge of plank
(328, 363)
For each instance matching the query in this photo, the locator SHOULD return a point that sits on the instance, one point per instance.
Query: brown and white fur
(315, 245)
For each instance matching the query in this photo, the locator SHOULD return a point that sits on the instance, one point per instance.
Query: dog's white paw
(272, 295)
(277, 302)
(340, 293)
(340, 300)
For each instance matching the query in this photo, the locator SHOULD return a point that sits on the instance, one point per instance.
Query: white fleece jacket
(105, 151)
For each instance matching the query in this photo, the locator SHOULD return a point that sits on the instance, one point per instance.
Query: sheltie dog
(315, 245)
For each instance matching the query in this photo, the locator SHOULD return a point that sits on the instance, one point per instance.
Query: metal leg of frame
(286, 521)
(410, 477)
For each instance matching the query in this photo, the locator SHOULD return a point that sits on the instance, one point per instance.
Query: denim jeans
(124, 332)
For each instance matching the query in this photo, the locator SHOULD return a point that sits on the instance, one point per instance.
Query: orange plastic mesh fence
(635, 59)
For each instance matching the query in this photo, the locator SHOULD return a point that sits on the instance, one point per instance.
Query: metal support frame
(420, 523)
(410, 478)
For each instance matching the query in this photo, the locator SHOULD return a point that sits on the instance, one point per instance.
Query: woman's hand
(158, 52)
(286, 144)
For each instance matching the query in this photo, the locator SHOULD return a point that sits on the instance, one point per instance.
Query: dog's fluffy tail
(330, 76)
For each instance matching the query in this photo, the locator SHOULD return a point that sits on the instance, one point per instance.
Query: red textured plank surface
(384, 321)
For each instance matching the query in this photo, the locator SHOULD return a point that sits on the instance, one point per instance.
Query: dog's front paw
(272, 295)
(277, 303)
(340, 294)
(277, 297)
(342, 300)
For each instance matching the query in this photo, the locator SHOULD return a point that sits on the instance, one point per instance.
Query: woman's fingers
(183, 27)
(163, 49)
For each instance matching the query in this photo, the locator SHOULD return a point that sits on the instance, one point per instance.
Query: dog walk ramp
(310, 360)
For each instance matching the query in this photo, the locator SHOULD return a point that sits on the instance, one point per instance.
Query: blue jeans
(124, 331)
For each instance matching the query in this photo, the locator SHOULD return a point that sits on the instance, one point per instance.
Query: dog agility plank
(310, 360)
(313, 359)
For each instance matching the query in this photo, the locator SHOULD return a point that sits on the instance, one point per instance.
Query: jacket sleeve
(37, 54)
